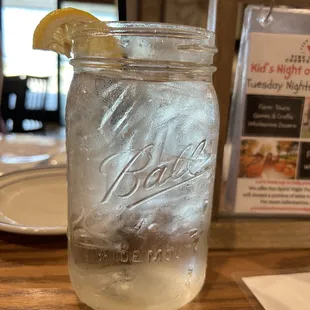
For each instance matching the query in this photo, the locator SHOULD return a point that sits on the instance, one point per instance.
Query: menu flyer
(274, 161)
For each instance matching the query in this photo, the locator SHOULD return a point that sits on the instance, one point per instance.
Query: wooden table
(34, 275)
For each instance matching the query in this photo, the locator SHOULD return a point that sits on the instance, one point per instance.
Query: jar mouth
(144, 44)
(117, 28)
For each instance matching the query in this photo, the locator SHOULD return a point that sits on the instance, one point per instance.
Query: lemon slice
(54, 33)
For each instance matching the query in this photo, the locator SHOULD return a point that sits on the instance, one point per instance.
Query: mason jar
(142, 134)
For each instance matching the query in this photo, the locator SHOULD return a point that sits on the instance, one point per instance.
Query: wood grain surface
(260, 233)
(34, 275)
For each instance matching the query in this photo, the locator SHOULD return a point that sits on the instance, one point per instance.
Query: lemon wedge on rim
(54, 33)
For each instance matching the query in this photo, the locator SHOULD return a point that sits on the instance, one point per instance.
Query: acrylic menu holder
(231, 230)
(267, 154)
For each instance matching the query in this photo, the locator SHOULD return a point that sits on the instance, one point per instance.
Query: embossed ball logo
(191, 163)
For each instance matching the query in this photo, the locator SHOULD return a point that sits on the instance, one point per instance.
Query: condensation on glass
(142, 133)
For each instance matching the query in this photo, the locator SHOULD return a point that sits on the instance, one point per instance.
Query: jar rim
(125, 28)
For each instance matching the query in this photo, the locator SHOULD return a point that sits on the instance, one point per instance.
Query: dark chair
(23, 103)
(13, 102)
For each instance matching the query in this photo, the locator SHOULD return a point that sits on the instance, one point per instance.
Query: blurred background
(18, 21)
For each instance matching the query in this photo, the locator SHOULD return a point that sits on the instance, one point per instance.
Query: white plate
(34, 201)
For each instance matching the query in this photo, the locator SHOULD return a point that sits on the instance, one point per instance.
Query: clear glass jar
(142, 135)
